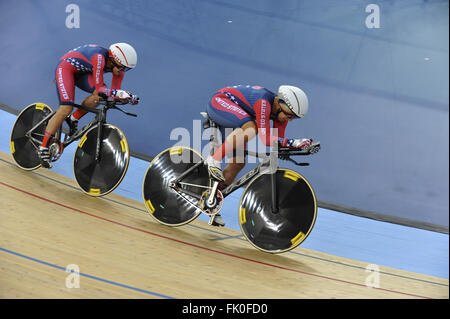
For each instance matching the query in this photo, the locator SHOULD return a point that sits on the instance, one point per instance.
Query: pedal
(55, 149)
(211, 210)
(45, 158)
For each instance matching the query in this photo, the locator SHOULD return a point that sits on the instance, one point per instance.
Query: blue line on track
(86, 275)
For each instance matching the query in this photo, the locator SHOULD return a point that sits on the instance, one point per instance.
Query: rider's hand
(134, 99)
(299, 143)
(125, 96)
(121, 94)
(314, 148)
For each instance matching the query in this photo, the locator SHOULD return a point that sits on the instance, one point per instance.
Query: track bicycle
(101, 158)
(277, 209)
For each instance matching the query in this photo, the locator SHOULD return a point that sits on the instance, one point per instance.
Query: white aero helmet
(124, 54)
(294, 98)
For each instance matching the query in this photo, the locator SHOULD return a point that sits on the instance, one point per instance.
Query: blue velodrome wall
(378, 96)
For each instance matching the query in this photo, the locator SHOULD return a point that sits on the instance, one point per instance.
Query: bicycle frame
(99, 120)
(269, 165)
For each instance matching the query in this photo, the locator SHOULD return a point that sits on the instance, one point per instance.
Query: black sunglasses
(289, 115)
(120, 67)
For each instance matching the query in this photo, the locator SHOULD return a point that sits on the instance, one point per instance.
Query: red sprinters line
(205, 248)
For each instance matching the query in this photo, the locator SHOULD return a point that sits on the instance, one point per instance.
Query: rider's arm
(262, 109)
(116, 82)
(279, 128)
(98, 63)
(114, 91)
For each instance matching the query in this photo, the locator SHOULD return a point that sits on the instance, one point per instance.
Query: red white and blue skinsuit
(84, 67)
(232, 107)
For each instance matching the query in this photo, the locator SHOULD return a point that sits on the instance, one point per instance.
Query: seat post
(209, 123)
(213, 137)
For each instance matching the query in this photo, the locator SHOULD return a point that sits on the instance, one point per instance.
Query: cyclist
(84, 67)
(249, 109)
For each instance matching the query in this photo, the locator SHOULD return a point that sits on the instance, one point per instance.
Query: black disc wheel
(167, 205)
(24, 148)
(98, 177)
(281, 231)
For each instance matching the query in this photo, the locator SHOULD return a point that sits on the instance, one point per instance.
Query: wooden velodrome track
(46, 224)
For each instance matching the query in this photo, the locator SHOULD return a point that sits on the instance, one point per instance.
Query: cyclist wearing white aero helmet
(123, 55)
(83, 67)
(294, 98)
(248, 110)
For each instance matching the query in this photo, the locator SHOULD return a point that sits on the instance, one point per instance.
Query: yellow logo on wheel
(94, 191)
(242, 219)
(123, 143)
(297, 238)
(176, 151)
(80, 145)
(291, 175)
(149, 205)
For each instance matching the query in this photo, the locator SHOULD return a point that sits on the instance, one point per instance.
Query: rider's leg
(236, 140)
(232, 169)
(65, 87)
(57, 119)
(84, 82)
(226, 114)
(90, 102)
(53, 124)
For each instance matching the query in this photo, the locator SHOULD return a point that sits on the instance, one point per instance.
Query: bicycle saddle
(208, 122)
(205, 115)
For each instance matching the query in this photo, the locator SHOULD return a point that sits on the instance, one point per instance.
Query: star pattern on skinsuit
(232, 97)
(78, 65)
